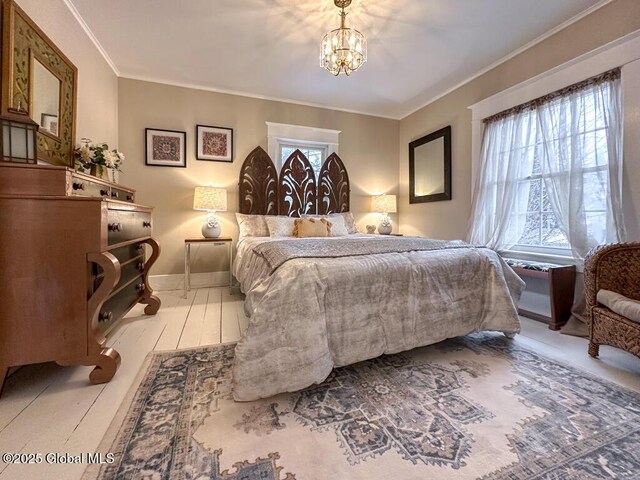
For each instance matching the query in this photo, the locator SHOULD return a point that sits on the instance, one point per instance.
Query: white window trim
(279, 133)
(618, 53)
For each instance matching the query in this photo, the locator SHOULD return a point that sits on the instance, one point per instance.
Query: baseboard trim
(175, 281)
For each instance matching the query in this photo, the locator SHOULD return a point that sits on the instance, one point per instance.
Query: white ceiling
(418, 49)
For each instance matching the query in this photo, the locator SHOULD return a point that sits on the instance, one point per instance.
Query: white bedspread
(313, 314)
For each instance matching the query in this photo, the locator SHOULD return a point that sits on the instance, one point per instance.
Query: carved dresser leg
(153, 304)
(106, 365)
(106, 361)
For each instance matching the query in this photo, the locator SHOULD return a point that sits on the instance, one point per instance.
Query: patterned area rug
(478, 407)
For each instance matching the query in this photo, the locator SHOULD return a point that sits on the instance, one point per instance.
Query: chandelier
(343, 50)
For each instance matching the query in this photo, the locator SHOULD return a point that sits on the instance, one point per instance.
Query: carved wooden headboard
(295, 191)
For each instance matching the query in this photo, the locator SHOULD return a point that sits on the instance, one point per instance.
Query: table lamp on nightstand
(384, 204)
(211, 199)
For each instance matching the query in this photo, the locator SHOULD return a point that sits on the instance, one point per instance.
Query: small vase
(100, 171)
(385, 229)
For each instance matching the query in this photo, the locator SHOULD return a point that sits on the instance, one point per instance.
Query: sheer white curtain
(571, 141)
(581, 138)
(508, 147)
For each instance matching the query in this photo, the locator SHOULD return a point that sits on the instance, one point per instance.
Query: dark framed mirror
(430, 167)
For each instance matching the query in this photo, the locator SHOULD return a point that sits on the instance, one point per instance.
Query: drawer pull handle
(130, 198)
(146, 224)
(140, 287)
(105, 317)
(104, 193)
(79, 186)
(140, 266)
(115, 194)
(115, 227)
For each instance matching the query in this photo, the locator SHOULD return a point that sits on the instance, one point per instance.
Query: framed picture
(214, 143)
(49, 122)
(165, 148)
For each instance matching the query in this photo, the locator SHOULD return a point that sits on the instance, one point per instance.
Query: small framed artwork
(214, 143)
(49, 122)
(165, 148)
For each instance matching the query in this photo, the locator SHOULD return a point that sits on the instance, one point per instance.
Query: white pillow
(338, 226)
(252, 225)
(280, 226)
(349, 221)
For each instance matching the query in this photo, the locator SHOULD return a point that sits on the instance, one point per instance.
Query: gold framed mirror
(37, 78)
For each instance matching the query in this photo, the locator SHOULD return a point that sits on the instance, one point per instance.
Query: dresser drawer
(119, 304)
(123, 225)
(82, 187)
(126, 253)
(123, 195)
(128, 270)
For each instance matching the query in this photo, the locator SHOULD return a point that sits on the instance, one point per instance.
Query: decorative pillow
(338, 227)
(311, 227)
(280, 226)
(252, 225)
(338, 220)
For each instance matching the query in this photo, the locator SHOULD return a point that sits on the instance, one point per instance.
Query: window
(316, 154)
(545, 183)
(539, 226)
(315, 143)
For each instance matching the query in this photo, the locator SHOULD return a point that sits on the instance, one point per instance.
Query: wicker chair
(617, 268)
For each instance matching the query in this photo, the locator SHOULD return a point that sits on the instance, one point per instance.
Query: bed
(319, 303)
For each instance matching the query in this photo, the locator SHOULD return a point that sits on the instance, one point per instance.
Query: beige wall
(97, 107)
(449, 219)
(368, 147)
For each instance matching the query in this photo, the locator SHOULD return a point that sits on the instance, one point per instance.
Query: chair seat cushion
(627, 307)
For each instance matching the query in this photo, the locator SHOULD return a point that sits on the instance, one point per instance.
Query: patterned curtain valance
(532, 104)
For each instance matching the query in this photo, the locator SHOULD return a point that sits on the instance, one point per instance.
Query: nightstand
(187, 258)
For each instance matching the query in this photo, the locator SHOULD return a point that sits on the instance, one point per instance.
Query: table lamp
(211, 199)
(384, 204)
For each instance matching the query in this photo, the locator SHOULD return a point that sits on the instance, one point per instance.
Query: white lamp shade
(210, 198)
(384, 204)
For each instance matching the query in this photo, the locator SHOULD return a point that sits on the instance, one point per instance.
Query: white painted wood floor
(47, 408)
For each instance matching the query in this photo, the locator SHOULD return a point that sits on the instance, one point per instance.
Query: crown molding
(513, 54)
(74, 11)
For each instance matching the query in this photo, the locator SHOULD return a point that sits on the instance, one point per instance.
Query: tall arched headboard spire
(333, 187)
(258, 184)
(297, 189)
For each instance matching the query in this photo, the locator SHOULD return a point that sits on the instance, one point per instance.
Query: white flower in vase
(110, 159)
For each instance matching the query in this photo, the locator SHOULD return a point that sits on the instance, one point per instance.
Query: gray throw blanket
(280, 251)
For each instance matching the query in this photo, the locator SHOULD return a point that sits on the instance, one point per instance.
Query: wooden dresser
(72, 264)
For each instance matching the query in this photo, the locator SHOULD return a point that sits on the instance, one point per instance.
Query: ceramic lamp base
(211, 227)
(386, 226)
(385, 229)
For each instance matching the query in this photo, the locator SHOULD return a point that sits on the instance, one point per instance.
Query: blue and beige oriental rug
(478, 407)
